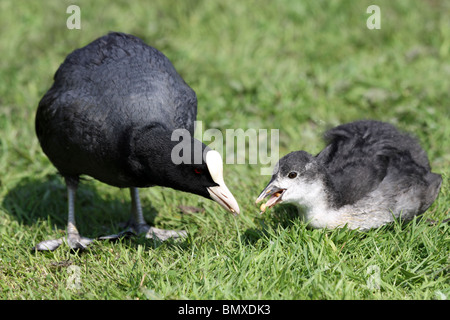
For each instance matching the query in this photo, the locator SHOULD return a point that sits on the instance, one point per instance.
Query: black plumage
(368, 172)
(110, 114)
(107, 96)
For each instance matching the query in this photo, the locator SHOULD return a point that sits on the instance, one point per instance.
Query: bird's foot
(74, 240)
(48, 245)
(151, 232)
(124, 234)
(161, 234)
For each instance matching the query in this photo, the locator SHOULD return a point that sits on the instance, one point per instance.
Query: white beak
(220, 193)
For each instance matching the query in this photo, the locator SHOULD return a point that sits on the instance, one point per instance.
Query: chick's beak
(268, 190)
(275, 194)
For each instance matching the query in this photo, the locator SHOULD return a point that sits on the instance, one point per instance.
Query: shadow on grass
(279, 217)
(34, 200)
(287, 216)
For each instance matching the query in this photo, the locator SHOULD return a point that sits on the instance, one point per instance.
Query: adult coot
(110, 114)
(367, 174)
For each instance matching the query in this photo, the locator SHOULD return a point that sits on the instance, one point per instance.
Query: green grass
(296, 66)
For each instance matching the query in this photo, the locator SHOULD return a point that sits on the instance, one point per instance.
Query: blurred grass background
(297, 66)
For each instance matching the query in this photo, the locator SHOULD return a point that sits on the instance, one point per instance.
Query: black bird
(368, 173)
(110, 114)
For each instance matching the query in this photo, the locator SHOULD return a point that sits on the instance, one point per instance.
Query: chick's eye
(198, 171)
(292, 175)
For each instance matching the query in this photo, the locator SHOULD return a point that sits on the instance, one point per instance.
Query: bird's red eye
(198, 171)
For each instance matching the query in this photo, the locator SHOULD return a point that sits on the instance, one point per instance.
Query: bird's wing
(355, 163)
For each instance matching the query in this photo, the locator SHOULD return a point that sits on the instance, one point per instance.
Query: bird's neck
(320, 210)
(321, 193)
(155, 153)
(321, 202)
(331, 194)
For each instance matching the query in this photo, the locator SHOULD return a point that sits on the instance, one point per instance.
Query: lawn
(296, 66)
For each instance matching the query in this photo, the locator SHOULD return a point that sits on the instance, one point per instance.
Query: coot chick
(368, 173)
(110, 114)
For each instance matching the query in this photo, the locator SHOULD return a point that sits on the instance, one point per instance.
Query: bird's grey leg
(74, 240)
(136, 220)
(138, 224)
(137, 216)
